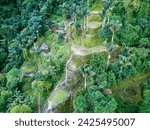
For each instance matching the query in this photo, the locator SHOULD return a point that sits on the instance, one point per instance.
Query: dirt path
(84, 51)
(95, 12)
(94, 25)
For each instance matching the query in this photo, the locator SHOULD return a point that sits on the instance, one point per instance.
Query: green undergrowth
(88, 40)
(90, 37)
(45, 67)
(47, 38)
(129, 90)
(58, 19)
(97, 6)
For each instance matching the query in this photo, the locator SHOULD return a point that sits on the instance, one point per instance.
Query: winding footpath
(79, 51)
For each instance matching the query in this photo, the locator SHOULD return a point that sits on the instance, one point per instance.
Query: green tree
(92, 100)
(13, 78)
(3, 80)
(36, 23)
(114, 27)
(47, 8)
(79, 102)
(2, 104)
(145, 106)
(38, 88)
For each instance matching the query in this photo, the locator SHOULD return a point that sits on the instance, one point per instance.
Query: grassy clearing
(129, 90)
(58, 96)
(89, 39)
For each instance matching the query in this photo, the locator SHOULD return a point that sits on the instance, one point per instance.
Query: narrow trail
(84, 51)
(50, 103)
(95, 23)
(76, 50)
(95, 12)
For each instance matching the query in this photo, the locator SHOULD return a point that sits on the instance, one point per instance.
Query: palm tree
(86, 73)
(114, 28)
(38, 89)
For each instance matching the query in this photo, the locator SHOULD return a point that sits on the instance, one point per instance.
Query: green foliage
(125, 37)
(144, 42)
(111, 78)
(19, 31)
(71, 8)
(29, 67)
(47, 9)
(79, 102)
(130, 15)
(3, 80)
(92, 100)
(40, 86)
(13, 78)
(2, 104)
(98, 65)
(23, 23)
(21, 109)
(5, 94)
(145, 106)
(58, 96)
(124, 107)
(14, 56)
(36, 23)
(3, 55)
(109, 106)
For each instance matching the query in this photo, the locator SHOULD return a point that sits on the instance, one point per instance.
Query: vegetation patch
(59, 96)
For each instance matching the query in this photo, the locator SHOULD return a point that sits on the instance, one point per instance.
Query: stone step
(94, 25)
(95, 12)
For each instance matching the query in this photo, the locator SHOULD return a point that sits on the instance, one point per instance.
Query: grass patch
(97, 5)
(58, 96)
(56, 18)
(89, 39)
(129, 90)
(95, 18)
